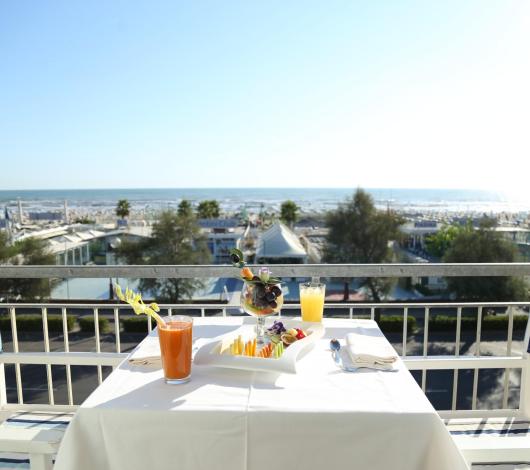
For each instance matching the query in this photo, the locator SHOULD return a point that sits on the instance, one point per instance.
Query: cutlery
(335, 348)
(334, 345)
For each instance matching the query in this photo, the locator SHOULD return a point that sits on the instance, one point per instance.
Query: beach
(100, 204)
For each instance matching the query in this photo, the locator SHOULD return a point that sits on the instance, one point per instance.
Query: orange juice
(175, 348)
(312, 301)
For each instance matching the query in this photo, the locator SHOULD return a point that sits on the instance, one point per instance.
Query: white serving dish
(209, 354)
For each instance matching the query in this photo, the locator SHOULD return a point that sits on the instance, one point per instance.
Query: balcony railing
(419, 357)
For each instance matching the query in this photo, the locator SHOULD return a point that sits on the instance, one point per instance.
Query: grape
(277, 327)
(276, 290)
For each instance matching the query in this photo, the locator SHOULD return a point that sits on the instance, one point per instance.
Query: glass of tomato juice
(175, 348)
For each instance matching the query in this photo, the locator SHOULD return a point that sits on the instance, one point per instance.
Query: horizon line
(353, 188)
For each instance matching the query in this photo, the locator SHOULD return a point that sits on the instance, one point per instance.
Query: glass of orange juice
(312, 296)
(175, 348)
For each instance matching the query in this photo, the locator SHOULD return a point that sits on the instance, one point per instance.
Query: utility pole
(19, 211)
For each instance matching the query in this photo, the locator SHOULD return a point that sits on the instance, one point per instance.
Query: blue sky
(292, 94)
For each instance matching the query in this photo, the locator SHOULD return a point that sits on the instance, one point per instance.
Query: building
(314, 242)
(279, 244)
(74, 248)
(416, 233)
(520, 237)
(48, 216)
(222, 236)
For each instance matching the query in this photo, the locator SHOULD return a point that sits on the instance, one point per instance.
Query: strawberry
(299, 334)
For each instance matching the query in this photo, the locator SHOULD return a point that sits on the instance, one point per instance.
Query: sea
(310, 200)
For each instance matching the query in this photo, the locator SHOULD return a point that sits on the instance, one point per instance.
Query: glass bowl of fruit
(261, 295)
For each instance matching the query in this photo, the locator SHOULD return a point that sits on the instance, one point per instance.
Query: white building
(278, 244)
(73, 248)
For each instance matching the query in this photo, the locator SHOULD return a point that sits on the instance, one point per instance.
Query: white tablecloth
(320, 418)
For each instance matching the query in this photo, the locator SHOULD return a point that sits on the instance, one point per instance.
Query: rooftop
(279, 242)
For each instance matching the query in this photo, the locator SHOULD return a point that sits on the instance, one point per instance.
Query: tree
(29, 251)
(438, 243)
(123, 208)
(484, 245)
(359, 233)
(185, 209)
(208, 209)
(5, 249)
(289, 212)
(176, 239)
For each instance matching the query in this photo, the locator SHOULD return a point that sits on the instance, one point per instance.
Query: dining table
(320, 417)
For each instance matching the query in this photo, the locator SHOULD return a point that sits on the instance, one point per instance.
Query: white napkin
(146, 355)
(368, 351)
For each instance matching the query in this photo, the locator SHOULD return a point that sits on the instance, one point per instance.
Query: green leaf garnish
(137, 304)
(237, 258)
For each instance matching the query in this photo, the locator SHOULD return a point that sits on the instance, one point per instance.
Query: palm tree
(123, 208)
(289, 212)
(208, 209)
(185, 208)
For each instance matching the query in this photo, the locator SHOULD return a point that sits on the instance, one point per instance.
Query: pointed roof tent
(280, 244)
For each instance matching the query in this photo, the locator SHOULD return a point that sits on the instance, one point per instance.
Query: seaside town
(288, 234)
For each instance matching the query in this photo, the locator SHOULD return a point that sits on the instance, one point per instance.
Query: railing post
(49, 376)
(3, 392)
(457, 353)
(67, 349)
(477, 353)
(508, 353)
(425, 347)
(117, 329)
(14, 334)
(524, 403)
(98, 342)
(405, 332)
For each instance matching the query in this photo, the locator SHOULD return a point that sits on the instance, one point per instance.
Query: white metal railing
(422, 362)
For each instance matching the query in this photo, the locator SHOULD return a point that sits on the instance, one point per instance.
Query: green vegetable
(137, 304)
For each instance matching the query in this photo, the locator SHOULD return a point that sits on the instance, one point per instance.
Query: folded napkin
(148, 354)
(370, 351)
